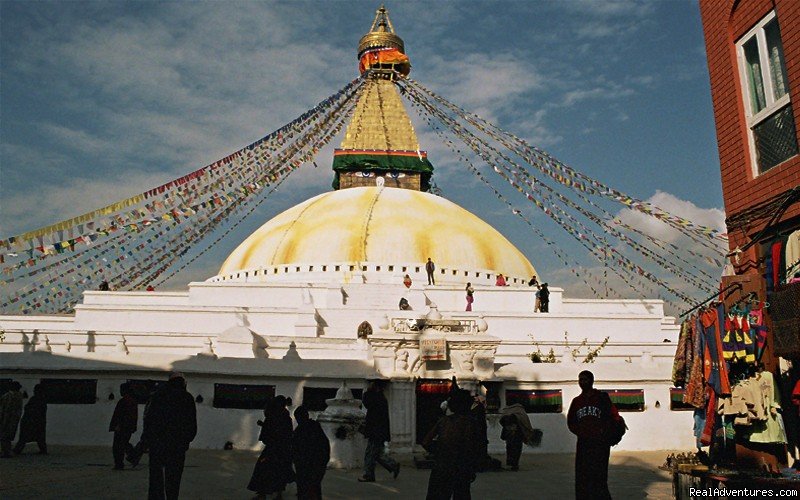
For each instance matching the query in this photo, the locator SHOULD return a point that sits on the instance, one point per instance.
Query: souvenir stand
(737, 367)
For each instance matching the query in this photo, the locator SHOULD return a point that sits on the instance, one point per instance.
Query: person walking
(544, 298)
(456, 452)
(589, 416)
(123, 425)
(376, 430)
(33, 427)
(430, 267)
(170, 424)
(10, 413)
(500, 281)
(470, 296)
(407, 281)
(273, 470)
(512, 435)
(311, 452)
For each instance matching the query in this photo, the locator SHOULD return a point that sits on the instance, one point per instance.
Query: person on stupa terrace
(430, 267)
(470, 296)
(544, 298)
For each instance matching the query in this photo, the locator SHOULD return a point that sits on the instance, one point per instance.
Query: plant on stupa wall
(591, 353)
(538, 356)
(590, 356)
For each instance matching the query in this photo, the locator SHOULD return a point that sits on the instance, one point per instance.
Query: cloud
(709, 217)
(485, 84)
(54, 202)
(614, 18)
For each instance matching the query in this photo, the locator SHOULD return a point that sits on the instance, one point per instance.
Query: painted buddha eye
(396, 175)
(365, 174)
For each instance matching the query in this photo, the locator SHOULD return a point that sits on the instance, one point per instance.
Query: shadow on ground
(85, 473)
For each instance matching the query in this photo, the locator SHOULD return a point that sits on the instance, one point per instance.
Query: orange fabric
(382, 56)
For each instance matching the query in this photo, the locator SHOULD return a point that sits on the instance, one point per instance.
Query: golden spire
(381, 34)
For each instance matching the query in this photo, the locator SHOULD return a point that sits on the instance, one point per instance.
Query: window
(773, 135)
(538, 401)
(69, 391)
(676, 400)
(626, 399)
(242, 396)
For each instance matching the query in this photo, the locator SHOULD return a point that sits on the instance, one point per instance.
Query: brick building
(753, 50)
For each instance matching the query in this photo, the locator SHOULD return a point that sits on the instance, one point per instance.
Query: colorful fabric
(683, 355)
(715, 370)
(777, 262)
(771, 429)
(758, 332)
(384, 56)
(695, 384)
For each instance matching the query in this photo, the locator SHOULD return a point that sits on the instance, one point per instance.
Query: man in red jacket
(589, 416)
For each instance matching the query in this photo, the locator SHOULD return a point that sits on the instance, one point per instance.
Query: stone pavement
(85, 473)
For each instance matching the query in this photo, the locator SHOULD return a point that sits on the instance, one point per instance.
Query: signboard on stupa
(433, 349)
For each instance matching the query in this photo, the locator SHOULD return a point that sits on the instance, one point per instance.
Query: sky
(103, 100)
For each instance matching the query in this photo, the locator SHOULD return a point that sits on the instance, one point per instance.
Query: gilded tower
(380, 145)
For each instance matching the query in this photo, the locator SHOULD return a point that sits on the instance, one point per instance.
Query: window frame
(772, 105)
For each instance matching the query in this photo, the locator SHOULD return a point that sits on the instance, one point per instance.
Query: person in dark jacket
(376, 430)
(512, 435)
(544, 298)
(170, 424)
(123, 425)
(311, 452)
(33, 426)
(456, 452)
(588, 417)
(273, 470)
(10, 413)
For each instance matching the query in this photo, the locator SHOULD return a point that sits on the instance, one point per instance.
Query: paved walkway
(85, 473)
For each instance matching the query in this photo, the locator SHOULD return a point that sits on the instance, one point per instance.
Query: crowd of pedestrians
(300, 453)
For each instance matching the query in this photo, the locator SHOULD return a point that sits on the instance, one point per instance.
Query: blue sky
(102, 100)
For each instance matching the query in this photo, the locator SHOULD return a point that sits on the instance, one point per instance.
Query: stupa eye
(365, 174)
(396, 175)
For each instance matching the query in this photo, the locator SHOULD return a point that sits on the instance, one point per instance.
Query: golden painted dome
(384, 227)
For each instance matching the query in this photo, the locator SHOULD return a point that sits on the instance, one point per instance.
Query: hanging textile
(695, 384)
(792, 255)
(681, 367)
(715, 369)
(770, 429)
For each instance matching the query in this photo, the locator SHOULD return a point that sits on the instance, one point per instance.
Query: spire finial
(381, 34)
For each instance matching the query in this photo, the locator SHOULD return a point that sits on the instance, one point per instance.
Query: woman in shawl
(273, 470)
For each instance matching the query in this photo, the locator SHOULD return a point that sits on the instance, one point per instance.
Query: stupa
(310, 300)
